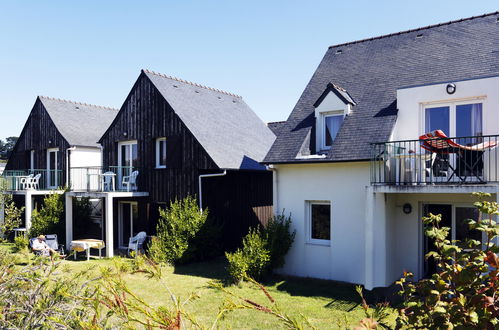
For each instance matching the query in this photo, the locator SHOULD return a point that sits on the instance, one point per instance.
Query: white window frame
(158, 148)
(123, 241)
(325, 115)
(308, 222)
(452, 113)
(52, 171)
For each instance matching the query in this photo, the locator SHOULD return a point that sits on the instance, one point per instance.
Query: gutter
(67, 163)
(201, 176)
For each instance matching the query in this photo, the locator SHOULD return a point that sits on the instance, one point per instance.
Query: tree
(7, 146)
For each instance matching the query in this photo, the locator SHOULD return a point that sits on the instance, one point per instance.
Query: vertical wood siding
(36, 134)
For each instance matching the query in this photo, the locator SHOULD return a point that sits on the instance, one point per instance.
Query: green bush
(263, 249)
(178, 233)
(50, 218)
(279, 239)
(463, 292)
(20, 243)
(253, 259)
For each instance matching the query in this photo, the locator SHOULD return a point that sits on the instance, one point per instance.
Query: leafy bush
(463, 292)
(178, 229)
(20, 243)
(279, 239)
(252, 260)
(12, 214)
(50, 218)
(263, 250)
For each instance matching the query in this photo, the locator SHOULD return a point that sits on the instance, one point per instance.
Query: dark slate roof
(372, 70)
(80, 124)
(276, 126)
(230, 132)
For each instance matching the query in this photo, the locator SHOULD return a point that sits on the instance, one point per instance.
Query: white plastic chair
(31, 182)
(130, 181)
(108, 181)
(135, 243)
(24, 181)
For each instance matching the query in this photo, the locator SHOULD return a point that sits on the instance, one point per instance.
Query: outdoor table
(19, 230)
(86, 244)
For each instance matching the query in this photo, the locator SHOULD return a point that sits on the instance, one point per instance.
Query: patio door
(128, 215)
(464, 122)
(127, 159)
(454, 217)
(52, 170)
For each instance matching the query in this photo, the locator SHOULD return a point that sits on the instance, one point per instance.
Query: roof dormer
(330, 110)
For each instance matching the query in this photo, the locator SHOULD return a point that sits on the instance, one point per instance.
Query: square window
(320, 221)
(161, 153)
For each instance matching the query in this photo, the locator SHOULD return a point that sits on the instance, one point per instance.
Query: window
(161, 153)
(32, 160)
(319, 222)
(332, 124)
(455, 120)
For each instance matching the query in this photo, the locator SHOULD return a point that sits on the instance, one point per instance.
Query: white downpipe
(201, 176)
(67, 163)
(275, 182)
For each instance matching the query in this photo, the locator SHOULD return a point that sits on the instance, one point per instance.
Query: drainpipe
(275, 181)
(200, 186)
(67, 164)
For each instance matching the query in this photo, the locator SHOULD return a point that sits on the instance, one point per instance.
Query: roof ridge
(191, 83)
(276, 122)
(79, 103)
(414, 30)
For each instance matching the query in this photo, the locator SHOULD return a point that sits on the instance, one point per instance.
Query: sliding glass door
(127, 159)
(127, 221)
(52, 169)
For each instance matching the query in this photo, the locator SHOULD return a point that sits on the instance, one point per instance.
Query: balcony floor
(437, 188)
(112, 194)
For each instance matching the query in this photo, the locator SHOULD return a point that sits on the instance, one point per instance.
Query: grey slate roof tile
(230, 132)
(80, 124)
(372, 70)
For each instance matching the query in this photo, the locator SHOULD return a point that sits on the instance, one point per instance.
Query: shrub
(20, 243)
(279, 239)
(263, 249)
(177, 230)
(463, 292)
(50, 218)
(12, 214)
(253, 259)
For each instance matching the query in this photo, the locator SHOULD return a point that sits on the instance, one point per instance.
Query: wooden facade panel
(39, 134)
(146, 116)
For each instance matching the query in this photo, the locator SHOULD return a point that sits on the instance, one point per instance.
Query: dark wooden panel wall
(239, 200)
(146, 116)
(37, 134)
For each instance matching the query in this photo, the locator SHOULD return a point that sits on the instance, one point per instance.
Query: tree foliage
(7, 146)
(50, 218)
(463, 293)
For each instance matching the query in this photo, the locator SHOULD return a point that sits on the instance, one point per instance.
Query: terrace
(436, 160)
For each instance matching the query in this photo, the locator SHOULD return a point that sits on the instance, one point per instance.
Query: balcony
(104, 179)
(33, 180)
(436, 161)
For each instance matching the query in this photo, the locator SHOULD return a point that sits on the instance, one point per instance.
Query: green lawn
(327, 305)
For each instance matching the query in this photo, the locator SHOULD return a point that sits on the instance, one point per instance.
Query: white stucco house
(349, 164)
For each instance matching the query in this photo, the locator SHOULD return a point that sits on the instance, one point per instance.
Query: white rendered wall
(412, 101)
(344, 185)
(81, 158)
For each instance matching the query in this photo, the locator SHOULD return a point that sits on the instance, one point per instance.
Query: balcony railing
(104, 179)
(36, 179)
(463, 160)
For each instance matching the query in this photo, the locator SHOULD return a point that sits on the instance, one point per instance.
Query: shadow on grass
(214, 269)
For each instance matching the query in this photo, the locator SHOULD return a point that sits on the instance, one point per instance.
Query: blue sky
(266, 51)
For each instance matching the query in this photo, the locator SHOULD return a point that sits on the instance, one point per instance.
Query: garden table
(86, 244)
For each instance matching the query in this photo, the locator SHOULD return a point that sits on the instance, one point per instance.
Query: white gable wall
(85, 157)
(344, 185)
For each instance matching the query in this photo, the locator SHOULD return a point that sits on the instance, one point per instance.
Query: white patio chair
(107, 180)
(130, 181)
(25, 181)
(135, 243)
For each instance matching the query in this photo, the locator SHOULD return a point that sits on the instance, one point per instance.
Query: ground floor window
(319, 222)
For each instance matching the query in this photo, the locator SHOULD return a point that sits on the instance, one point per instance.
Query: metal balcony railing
(460, 160)
(35, 179)
(104, 179)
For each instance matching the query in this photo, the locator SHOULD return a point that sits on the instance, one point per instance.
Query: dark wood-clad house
(58, 134)
(187, 139)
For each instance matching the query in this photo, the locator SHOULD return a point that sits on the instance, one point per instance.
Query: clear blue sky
(266, 51)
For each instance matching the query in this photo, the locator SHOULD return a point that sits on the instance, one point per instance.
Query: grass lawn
(326, 304)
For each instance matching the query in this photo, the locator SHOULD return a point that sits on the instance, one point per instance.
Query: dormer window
(330, 110)
(332, 124)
